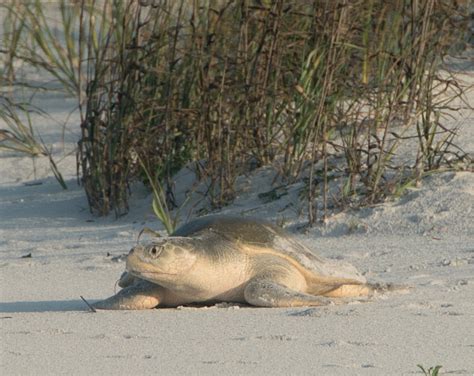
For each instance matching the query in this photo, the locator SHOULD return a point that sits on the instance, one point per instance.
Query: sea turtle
(231, 259)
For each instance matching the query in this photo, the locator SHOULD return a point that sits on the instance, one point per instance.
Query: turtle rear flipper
(140, 295)
(267, 293)
(350, 291)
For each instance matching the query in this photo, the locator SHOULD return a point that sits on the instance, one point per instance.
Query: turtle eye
(155, 251)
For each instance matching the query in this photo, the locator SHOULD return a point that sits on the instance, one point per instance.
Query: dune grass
(318, 89)
(431, 371)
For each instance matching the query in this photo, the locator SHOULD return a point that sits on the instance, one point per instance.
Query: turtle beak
(133, 255)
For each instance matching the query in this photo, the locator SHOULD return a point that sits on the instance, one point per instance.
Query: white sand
(424, 240)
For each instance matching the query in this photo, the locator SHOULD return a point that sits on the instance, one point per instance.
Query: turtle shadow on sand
(43, 306)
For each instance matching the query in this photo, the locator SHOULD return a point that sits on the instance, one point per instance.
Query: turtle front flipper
(139, 295)
(268, 293)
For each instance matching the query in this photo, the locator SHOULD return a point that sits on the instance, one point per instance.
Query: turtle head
(162, 260)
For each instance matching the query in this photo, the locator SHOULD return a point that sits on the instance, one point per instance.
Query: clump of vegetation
(432, 371)
(19, 135)
(318, 89)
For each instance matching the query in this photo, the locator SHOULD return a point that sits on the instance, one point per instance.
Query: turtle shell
(256, 232)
